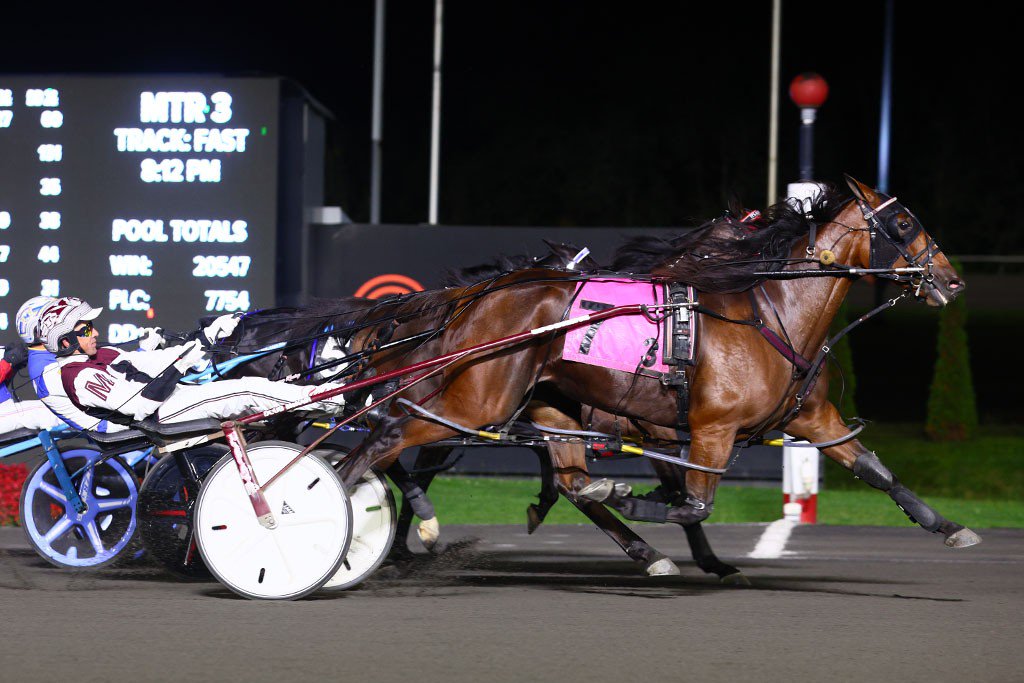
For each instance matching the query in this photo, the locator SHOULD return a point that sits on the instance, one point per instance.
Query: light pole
(800, 470)
(808, 91)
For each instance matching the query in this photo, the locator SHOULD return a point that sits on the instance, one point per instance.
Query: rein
(816, 366)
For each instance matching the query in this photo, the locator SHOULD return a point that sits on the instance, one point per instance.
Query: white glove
(151, 339)
(220, 328)
(193, 354)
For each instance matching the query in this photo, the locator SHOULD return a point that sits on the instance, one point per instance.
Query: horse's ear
(862, 191)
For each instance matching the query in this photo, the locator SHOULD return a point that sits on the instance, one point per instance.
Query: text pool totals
(154, 197)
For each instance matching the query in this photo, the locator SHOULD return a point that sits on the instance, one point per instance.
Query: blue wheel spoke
(94, 537)
(57, 530)
(104, 504)
(53, 492)
(85, 488)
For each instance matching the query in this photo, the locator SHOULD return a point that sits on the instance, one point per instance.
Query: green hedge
(952, 408)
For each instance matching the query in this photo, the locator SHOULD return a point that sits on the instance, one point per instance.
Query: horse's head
(896, 239)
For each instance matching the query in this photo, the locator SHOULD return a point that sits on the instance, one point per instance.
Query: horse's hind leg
(822, 423)
(536, 512)
(570, 471)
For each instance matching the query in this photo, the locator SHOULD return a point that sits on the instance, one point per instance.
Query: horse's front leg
(711, 443)
(822, 423)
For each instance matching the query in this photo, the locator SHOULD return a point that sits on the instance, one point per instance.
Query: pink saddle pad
(622, 342)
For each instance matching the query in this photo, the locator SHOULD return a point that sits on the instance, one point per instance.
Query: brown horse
(741, 385)
(563, 465)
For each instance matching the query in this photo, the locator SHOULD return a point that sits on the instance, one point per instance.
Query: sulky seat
(18, 435)
(163, 433)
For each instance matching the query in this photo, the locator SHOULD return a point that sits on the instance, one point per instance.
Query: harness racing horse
(563, 465)
(301, 331)
(782, 283)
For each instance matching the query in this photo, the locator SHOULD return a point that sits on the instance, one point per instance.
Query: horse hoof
(597, 491)
(429, 531)
(737, 579)
(663, 567)
(533, 519)
(964, 538)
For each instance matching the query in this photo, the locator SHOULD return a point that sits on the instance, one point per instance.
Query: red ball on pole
(808, 90)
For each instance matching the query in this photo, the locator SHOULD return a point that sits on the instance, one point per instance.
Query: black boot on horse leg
(415, 502)
(822, 423)
(653, 562)
(870, 469)
(571, 482)
(656, 509)
(568, 474)
(673, 485)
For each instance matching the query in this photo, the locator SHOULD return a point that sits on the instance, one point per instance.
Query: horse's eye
(903, 226)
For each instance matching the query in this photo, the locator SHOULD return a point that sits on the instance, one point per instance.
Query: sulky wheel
(166, 500)
(98, 536)
(304, 550)
(374, 520)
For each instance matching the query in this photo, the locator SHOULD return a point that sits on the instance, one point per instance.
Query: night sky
(572, 113)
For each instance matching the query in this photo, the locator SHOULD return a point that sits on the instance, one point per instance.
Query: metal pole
(435, 117)
(807, 116)
(377, 134)
(884, 130)
(773, 116)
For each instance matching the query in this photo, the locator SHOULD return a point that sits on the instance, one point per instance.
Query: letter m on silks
(100, 386)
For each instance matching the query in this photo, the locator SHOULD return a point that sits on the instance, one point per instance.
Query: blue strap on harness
(217, 369)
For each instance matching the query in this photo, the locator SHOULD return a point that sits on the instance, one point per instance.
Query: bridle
(891, 237)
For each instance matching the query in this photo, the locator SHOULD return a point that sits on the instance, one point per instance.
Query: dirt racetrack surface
(842, 603)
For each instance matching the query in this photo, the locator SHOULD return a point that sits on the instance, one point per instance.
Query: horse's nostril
(954, 285)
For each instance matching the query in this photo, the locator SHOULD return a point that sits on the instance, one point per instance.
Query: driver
(90, 379)
(15, 414)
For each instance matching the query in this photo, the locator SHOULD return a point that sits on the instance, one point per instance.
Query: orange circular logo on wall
(383, 285)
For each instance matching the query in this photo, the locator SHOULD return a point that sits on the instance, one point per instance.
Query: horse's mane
(267, 326)
(726, 255)
(465, 277)
(723, 255)
(558, 256)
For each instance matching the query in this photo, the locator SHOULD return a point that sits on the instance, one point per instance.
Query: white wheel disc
(304, 550)
(374, 520)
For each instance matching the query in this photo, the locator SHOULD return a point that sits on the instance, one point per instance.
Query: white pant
(26, 415)
(233, 398)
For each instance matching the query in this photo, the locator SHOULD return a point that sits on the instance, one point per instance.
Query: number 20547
(221, 266)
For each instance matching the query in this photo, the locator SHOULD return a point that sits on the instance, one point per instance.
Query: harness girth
(680, 354)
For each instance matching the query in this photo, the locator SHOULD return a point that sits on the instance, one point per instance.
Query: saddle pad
(622, 342)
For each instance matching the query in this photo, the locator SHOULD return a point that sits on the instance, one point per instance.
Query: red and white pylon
(800, 483)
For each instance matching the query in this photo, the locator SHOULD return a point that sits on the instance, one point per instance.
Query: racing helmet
(58, 322)
(27, 320)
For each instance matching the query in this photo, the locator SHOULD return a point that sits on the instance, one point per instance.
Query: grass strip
(487, 500)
